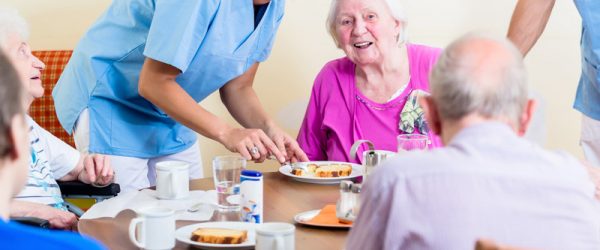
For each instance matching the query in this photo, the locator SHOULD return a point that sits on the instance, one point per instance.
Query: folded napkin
(327, 216)
(136, 200)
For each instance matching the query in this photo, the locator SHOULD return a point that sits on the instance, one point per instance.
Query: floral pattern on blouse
(412, 118)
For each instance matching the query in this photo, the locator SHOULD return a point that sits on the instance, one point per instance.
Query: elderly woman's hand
(96, 170)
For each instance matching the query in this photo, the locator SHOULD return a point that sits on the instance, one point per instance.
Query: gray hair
(11, 22)
(466, 81)
(396, 10)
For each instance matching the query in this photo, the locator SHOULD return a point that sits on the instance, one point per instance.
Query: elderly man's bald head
(480, 74)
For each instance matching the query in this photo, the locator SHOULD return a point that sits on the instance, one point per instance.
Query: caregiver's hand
(286, 144)
(252, 144)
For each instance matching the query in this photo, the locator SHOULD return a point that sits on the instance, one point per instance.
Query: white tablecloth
(147, 198)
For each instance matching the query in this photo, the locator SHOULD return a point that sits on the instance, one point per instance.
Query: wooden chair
(42, 109)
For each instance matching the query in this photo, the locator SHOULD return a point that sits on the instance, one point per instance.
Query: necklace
(386, 107)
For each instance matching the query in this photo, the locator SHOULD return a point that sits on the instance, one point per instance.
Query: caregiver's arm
(528, 21)
(157, 84)
(242, 102)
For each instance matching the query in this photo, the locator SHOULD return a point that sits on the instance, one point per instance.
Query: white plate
(356, 172)
(305, 217)
(184, 234)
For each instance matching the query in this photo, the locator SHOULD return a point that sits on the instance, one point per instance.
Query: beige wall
(303, 46)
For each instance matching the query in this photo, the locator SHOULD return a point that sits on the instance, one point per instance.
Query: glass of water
(226, 174)
(410, 142)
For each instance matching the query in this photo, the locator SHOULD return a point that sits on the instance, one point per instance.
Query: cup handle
(279, 243)
(357, 144)
(132, 227)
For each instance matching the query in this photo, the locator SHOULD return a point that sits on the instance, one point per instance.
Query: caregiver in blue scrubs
(132, 87)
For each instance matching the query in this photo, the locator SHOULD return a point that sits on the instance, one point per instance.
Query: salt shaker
(356, 189)
(345, 203)
(251, 192)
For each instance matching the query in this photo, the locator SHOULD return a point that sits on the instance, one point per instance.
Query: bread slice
(219, 235)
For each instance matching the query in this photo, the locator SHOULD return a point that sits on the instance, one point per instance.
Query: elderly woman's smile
(363, 45)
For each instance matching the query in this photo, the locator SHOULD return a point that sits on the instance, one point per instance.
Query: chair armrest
(79, 188)
(31, 221)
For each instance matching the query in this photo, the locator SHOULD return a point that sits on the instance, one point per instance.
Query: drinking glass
(226, 174)
(410, 142)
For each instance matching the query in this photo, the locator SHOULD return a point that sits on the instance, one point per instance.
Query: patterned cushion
(42, 109)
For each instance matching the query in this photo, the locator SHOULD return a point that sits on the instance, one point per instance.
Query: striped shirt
(51, 159)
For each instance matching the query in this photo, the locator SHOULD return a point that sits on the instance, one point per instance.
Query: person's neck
(261, 2)
(452, 128)
(380, 80)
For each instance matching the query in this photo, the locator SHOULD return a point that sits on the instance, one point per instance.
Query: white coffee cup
(172, 180)
(155, 227)
(275, 236)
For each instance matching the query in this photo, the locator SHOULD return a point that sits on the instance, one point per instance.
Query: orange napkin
(327, 216)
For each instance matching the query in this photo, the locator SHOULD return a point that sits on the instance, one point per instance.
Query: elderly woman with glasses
(371, 93)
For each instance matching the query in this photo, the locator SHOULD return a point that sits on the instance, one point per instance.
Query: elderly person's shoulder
(424, 52)
(424, 49)
(521, 160)
(415, 164)
(338, 65)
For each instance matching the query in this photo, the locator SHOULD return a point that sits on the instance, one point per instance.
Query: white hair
(466, 80)
(10, 23)
(394, 6)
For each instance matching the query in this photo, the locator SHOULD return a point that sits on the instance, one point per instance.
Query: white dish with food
(331, 168)
(184, 234)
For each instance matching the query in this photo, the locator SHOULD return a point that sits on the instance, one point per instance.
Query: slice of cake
(310, 170)
(219, 235)
(333, 170)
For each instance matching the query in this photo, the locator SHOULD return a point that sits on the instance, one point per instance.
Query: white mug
(155, 228)
(172, 180)
(275, 236)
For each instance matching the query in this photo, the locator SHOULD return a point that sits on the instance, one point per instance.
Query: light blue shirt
(587, 100)
(210, 41)
(487, 183)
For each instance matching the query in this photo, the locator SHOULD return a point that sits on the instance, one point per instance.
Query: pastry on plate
(219, 235)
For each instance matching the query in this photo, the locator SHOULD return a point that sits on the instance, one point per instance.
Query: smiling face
(366, 30)
(28, 66)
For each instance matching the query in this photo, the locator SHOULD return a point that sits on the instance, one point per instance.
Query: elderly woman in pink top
(371, 93)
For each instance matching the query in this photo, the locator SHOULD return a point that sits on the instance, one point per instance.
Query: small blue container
(251, 192)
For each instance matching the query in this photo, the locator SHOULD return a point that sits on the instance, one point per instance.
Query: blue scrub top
(210, 41)
(587, 99)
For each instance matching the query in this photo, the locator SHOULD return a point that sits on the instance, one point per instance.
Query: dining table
(283, 199)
